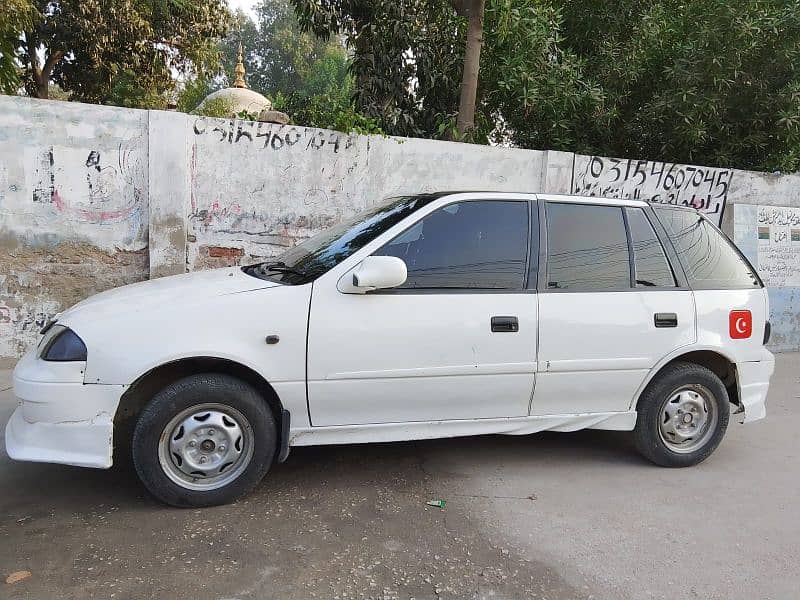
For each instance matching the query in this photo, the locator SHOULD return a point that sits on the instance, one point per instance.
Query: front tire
(682, 416)
(204, 440)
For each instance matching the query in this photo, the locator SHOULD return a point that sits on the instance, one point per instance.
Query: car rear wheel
(204, 440)
(682, 416)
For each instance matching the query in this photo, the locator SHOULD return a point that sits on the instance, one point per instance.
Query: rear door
(610, 305)
(732, 305)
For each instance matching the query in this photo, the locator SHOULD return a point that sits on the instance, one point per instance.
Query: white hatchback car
(426, 316)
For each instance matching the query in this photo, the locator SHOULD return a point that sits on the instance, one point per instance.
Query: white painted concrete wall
(259, 188)
(73, 208)
(133, 194)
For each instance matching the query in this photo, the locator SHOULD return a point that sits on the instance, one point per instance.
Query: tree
(406, 57)
(279, 55)
(705, 81)
(89, 46)
(304, 76)
(473, 11)
(245, 31)
(15, 16)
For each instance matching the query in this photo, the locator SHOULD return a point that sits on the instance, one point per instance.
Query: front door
(610, 308)
(456, 341)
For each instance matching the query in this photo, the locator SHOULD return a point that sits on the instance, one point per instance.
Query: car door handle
(505, 324)
(665, 319)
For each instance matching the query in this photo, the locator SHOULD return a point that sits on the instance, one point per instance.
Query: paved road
(551, 516)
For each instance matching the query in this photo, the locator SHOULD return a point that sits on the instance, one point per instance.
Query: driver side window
(466, 245)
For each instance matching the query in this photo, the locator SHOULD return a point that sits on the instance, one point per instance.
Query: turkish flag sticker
(741, 324)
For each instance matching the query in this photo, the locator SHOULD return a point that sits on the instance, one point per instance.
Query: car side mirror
(379, 272)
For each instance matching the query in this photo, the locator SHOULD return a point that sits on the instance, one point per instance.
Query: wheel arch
(722, 365)
(141, 391)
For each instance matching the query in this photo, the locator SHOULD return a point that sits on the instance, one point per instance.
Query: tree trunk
(42, 89)
(472, 60)
(39, 81)
(41, 73)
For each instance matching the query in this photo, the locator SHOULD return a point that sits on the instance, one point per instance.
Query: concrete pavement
(547, 516)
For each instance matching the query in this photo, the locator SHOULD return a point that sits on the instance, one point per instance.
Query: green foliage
(705, 81)
(15, 16)
(216, 107)
(192, 92)
(127, 90)
(327, 111)
(306, 77)
(102, 51)
(406, 57)
(278, 54)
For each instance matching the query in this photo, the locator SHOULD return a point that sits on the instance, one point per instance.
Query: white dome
(236, 100)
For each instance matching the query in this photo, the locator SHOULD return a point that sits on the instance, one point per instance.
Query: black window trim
(458, 291)
(680, 276)
(666, 243)
(631, 255)
(680, 280)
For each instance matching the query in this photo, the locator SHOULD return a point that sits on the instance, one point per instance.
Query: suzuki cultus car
(426, 316)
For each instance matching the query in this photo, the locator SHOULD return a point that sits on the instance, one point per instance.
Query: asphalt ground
(552, 516)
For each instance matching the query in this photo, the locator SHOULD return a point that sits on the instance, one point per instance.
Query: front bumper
(60, 419)
(753, 379)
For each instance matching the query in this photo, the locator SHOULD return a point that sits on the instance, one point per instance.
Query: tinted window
(477, 245)
(587, 248)
(649, 260)
(709, 259)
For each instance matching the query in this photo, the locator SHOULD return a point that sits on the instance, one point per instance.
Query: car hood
(165, 292)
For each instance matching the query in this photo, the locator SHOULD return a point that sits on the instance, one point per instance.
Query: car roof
(494, 194)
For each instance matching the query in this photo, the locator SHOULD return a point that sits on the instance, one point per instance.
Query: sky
(246, 5)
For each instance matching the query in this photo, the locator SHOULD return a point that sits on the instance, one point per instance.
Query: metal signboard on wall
(779, 246)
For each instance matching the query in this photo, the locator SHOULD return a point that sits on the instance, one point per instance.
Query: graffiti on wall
(779, 246)
(272, 136)
(703, 188)
(93, 185)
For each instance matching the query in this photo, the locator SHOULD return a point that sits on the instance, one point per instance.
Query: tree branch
(32, 56)
(51, 62)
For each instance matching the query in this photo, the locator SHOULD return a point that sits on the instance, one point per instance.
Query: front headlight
(61, 344)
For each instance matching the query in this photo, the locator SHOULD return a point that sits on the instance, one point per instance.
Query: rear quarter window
(710, 259)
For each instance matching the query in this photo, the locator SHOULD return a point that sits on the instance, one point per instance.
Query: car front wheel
(204, 440)
(682, 416)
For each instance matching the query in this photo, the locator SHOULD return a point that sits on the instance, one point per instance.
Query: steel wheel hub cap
(688, 419)
(206, 446)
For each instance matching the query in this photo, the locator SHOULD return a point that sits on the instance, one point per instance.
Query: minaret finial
(240, 82)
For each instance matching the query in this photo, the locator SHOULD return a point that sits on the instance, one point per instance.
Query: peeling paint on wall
(73, 209)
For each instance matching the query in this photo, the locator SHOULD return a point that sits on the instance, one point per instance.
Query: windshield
(317, 255)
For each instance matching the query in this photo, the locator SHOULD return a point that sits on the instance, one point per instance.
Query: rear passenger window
(650, 263)
(587, 248)
(709, 259)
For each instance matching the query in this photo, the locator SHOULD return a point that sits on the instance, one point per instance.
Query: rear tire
(682, 416)
(204, 440)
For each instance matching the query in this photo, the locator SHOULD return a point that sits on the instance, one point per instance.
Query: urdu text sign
(779, 246)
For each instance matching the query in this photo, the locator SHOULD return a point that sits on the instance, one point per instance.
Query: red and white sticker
(741, 324)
